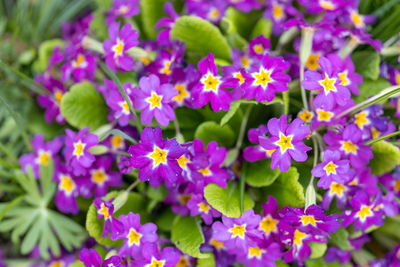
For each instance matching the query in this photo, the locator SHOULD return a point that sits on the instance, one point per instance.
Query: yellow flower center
(205, 171)
(239, 76)
(344, 80)
(184, 199)
(398, 78)
(154, 100)
(245, 61)
(255, 252)
(79, 62)
(364, 212)
(125, 107)
(298, 237)
(277, 11)
(348, 147)
(210, 82)
(183, 262)
(361, 119)
(330, 168)
(78, 149)
(145, 60)
(118, 48)
(213, 14)
(166, 69)
(324, 115)
(117, 141)
(258, 48)
(328, 5)
(66, 184)
(337, 189)
(43, 158)
(133, 237)
(58, 95)
(397, 185)
(123, 9)
(182, 93)
(305, 115)
(263, 77)
(357, 19)
(328, 84)
(238, 230)
(307, 219)
(217, 244)
(57, 264)
(312, 61)
(104, 211)
(159, 156)
(99, 177)
(182, 160)
(155, 263)
(203, 207)
(268, 225)
(284, 142)
(375, 133)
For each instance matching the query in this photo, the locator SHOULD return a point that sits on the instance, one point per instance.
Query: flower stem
(243, 127)
(383, 137)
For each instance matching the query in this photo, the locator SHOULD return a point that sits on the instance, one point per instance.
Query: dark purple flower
(287, 142)
(105, 210)
(102, 177)
(91, 258)
(259, 46)
(76, 153)
(338, 191)
(52, 102)
(198, 205)
(155, 100)
(270, 220)
(260, 256)
(80, 64)
(256, 153)
(122, 8)
(152, 257)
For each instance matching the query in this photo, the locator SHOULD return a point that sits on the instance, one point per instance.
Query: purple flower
(163, 37)
(209, 89)
(105, 210)
(198, 205)
(238, 234)
(52, 102)
(156, 158)
(116, 48)
(346, 73)
(332, 169)
(43, 153)
(338, 191)
(270, 221)
(256, 153)
(264, 80)
(102, 177)
(155, 100)
(350, 145)
(135, 235)
(152, 257)
(80, 64)
(258, 47)
(119, 108)
(260, 256)
(76, 153)
(122, 8)
(332, 91)
(365, 213)
(287, 142)
(91, 258)
(334, 253)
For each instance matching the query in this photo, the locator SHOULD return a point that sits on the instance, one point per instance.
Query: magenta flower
(346, 73)
(198, 205)
(156, 158)
(256, 153)
(261, 256)
(338, 191)
(258, 47)
(287, 142)
(51, 103)
(210, 88)
(332, 169)
(152, 257)
(76, 153)
(238, 234)
(43, 153)
(122, 8)
(269, 223)
(105, 210)
(116, 48)
(81, 65)
(155, 100)
(332, 91)
(163, 37)
(264, 80)
(91, 258)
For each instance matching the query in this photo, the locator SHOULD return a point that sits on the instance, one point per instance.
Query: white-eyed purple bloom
(91, 258)
(122, 9)
(198, 205)
(105, 210)
(101, 176)
(153, 257)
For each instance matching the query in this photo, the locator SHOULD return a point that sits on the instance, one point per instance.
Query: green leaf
(367, 63)
(263, 27)
(386, 157)
(317, 249)
(231, 112)
(240, 22)
(165, 219)
(84, 106)
(119, 133)
(206, 262)
(227, 200)
(187, 236)
(287, 190)
(200, 37)
(97, 24)
(260, 174)
(340, 239)
(45, 50)
(370, 88)
(211, 131)
(320, 262)
(8, 206)
(98, 149)
(151, 11)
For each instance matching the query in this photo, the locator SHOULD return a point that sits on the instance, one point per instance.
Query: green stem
(383, 137)
(133, 185)
(243, 127)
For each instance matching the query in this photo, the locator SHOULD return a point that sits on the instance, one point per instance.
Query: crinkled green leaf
(386, 157)
(340, 239)
(227, 200)
(200, 37)
(150, 12)
(287, 190)
(187, 236)
(367, 63)
(211, 131)
(84, 106)
(320, 262)
(370, 88)
(317, 249)
(260, 174)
